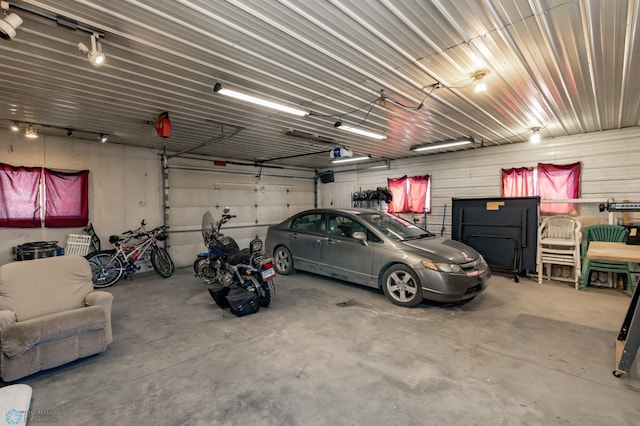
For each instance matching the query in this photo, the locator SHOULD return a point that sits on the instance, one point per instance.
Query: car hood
(442, 249)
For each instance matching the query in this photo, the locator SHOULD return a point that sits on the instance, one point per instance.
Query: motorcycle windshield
(208, 226)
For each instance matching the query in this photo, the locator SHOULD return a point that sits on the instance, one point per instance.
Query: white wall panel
(610, 169)
(124, 185)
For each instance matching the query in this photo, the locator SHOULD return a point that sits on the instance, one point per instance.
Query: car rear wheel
(401, 286)
(283, 261)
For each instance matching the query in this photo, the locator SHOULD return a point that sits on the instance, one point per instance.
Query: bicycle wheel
(162, 263)
(106, 268)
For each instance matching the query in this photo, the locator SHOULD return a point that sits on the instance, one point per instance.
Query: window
(19, 196)
(549, 181)
(31, 195)
(410, 194)
(307, 223)
(67, 204)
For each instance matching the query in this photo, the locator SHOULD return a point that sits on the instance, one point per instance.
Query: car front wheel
(401, 286)
(283, 261)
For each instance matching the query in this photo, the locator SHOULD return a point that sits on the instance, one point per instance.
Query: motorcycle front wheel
(162, 263)
(106, 268)
(204, 270)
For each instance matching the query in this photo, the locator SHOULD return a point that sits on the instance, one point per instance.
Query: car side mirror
(359, 235)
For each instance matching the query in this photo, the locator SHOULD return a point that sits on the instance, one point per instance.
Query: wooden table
(600, 250)
(629, 337)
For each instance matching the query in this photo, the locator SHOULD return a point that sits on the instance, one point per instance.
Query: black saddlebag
(243, 302)
(219, 294)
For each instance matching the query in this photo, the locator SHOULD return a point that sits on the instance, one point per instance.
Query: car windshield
(395, 227)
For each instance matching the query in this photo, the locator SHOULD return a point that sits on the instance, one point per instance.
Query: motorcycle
(238, 279)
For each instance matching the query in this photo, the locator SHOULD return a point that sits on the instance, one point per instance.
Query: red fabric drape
(517, 182)
(398, 189)
(67, 199)
(558, 182)
(19, 196)
(418, 186)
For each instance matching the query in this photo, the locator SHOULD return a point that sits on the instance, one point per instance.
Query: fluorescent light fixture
(351, 159)
(31, 132)
(440, 145)
(359, 131)
(9, 23)
(262, 102)
(95, 54)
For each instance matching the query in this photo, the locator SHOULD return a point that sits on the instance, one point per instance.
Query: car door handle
(294, 235)
(330, 241)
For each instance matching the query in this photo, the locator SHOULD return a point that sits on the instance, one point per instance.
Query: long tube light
(440, 145)
(258, 101)
(359, 131)
(351, 159)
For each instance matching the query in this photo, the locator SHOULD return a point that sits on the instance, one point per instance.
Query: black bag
(219, 294)
(243, 302)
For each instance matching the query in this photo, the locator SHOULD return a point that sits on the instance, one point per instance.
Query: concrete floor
(331, 353)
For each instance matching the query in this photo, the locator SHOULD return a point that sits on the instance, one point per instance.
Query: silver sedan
(380, 250)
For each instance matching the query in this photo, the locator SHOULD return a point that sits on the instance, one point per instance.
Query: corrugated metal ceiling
(569, 67)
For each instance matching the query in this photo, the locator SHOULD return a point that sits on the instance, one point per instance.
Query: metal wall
(610, 169)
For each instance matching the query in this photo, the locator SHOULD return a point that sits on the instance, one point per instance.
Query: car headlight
(442, 267)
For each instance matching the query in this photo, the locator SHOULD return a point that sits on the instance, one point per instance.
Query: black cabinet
(503, 230)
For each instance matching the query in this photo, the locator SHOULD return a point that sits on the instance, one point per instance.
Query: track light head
(70, 134)
(9, 23)
(217, 87)
(31, 132)
(103, 138)
(536, 137)
(95, 55)
(337, 123)
(15, 126)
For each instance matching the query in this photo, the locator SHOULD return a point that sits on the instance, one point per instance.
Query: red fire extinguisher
(163, 125)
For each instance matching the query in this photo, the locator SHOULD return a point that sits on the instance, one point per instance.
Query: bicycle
(108, 266)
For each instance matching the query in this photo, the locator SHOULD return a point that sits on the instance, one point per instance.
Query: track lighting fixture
(338, 124)
(351, 159)
(535, 135)
(443, 144)
(31, 132)
(9, 23)
(478, 78)
(217, 88)
(95, 54)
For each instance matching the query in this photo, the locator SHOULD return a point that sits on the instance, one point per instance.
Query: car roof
(354, 211)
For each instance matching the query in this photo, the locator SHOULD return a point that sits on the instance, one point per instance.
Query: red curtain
(67, 199)
(398, 189)
(20, 196)
(558, 182)
(418, 186)
(517, 182)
